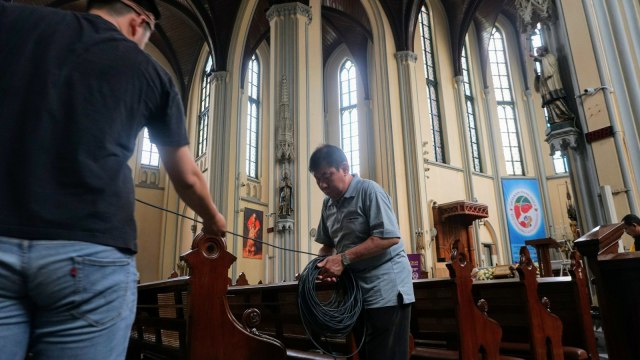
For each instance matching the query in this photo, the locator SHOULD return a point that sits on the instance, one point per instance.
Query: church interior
(491, 122)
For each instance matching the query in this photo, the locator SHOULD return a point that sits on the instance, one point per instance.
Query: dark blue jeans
(65, 300)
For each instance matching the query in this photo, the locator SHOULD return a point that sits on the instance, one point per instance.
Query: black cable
(335, 317)
(228, 232)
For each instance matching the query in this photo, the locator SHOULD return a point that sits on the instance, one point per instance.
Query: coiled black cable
(335, 317)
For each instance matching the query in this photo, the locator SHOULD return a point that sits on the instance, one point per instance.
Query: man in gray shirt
(358, 229)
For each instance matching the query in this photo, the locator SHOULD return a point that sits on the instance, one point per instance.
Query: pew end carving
(277, 306)
(189, 318)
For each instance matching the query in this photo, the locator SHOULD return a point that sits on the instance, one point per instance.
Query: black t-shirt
(74, 94)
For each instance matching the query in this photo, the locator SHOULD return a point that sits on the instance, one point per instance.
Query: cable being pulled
(228, 232)
(333, 318)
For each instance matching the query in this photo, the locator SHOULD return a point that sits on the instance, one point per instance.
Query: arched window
(349, 115)
(507, 118)
(432, 85)
(253, 116)
(202, 131)
(149, 155)
(559, 159)
(471, 112)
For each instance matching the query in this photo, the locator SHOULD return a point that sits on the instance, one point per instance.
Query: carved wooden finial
(242, 279)
(525, 259)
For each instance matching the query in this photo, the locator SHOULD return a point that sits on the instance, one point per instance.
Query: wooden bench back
(189, 318)
(522, 314)
(160, 327)
(446, 315)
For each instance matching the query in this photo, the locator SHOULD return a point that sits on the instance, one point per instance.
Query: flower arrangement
(485, 274)
(490, 273)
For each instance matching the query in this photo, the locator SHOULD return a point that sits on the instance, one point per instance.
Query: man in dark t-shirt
(75, 91)
(632, 228)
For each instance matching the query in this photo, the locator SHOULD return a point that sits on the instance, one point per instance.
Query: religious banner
(525, 216)
(252, 231)
(414, 261)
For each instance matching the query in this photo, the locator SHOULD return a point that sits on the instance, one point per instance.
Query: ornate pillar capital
(406, 56)
(219, 76)
(289, 9)
(562, 139)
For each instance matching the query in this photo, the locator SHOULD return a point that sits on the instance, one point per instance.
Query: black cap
(148, 5)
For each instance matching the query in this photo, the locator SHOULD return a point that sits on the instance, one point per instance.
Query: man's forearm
(371, 247)
(326, 250)
(189, 182)
(333, 265)
(196, 195)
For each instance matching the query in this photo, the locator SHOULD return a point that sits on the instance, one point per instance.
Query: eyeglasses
(151, 20)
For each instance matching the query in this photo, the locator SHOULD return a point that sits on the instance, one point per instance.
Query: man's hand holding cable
(217, 225)
(332, 267)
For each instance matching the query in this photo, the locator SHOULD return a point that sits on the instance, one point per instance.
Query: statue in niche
(549, 85)
(286, 202)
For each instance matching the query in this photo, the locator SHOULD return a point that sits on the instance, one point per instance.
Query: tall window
(559, 159)
(203, 115)
(471, 114)
(149, 156)
(560, 164)
(432, 85)
(253, 115)
(507, 119)
(349, 115)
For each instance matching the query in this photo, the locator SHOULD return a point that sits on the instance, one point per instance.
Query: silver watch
(345, 259)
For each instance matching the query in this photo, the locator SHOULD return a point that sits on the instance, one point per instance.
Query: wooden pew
(571, 303)
(189, 318)
(445, 321)
(278, 316)
(529, 328)
(617, 280)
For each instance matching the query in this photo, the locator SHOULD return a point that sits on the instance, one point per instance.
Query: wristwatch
(345, 259)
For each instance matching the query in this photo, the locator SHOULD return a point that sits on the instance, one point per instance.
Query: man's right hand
(217, 226)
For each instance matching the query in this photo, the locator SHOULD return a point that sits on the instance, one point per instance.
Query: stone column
(463, 134)
(467, 158)
(218, 141)
(416, 188)
(534, 138)
(497, 184)
(290, 71)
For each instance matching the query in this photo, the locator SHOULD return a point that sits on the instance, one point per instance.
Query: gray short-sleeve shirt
(365, 210)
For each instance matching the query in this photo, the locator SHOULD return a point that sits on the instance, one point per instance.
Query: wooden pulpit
(542, 247)
(453, 222)
(601, 240)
